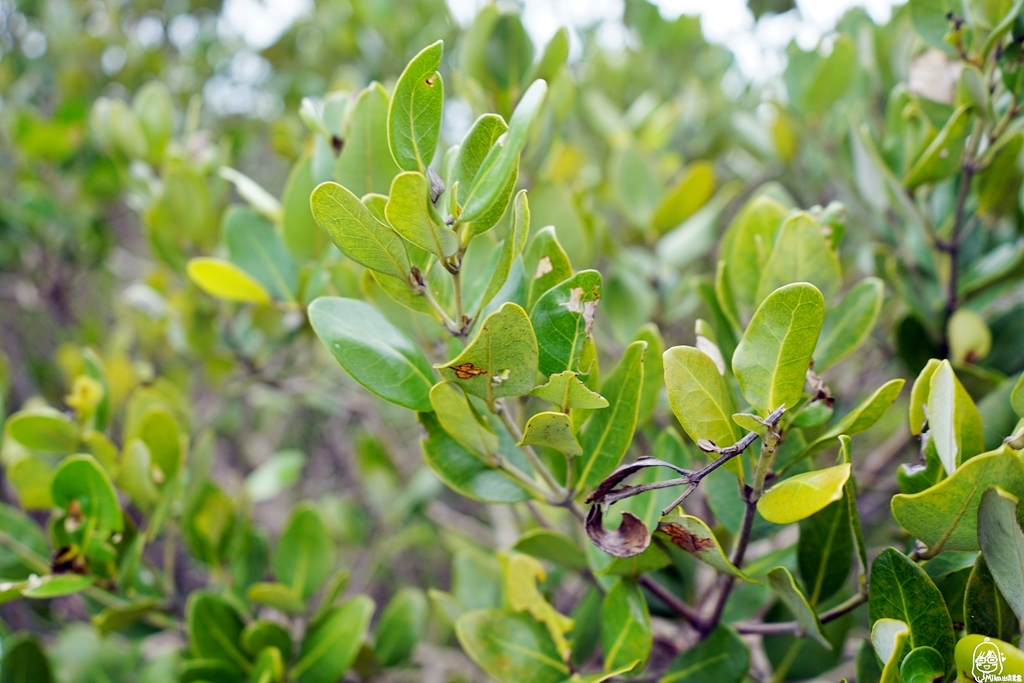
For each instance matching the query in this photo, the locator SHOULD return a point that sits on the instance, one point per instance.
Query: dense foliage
(623, 349)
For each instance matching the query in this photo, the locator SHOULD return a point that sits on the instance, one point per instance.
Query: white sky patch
(261, 22)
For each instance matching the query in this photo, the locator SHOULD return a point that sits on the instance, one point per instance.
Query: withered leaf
(631, 538)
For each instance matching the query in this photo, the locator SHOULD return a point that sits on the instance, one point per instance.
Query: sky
(758, 46)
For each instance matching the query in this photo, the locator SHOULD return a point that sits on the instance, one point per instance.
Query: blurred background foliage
(121, 123)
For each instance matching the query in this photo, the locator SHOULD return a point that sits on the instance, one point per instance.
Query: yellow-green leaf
(225, 280)
(801, 495)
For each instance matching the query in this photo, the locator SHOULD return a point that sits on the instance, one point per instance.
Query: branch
(674, 603)
(769, 629)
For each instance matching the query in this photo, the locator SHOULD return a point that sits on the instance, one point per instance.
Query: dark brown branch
(768, 629)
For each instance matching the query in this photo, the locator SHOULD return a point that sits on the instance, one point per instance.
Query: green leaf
(207, 523)
(414, 117)
(902, 590)
(551, 546)
(566, 391)
(252, 192)
(255, 247)
(825, 551)
(833, 76)
(857, 420)
(636, 187)
(281, 470)
(365, 164)
(502, 160)
(214, 628)
(277, 595)
(299, 230)
(458, 417)
(401, 626)
(553, 430)
(117, 617)
(261, 634)
(162, 435)
(31, 477)
(986, 611)
(1002, 545)
(511, 248)
(331, 645)
(225, 280)
(692, 190)
(545, 264)
(930, 21)
(79, 478)
(511, 648)
(853, 514)
(305, 552)
(462, 471)
(609, 431)
(480, 139)
(625, 625)
(969, 648)
(355, 231)
(891, 640)
(919, 396)
(563, 318)
(941, 159)
(22, 529)
(700, 398)
(849, 324)
(746, 244)
(782, 582)
(953, 419)
(774, 353)
(409, 213)
(1017, 397)
(945, 516)
(57, 585)
(970, 339)
(24, 661)
(500, 361)
(376, 353)
(802, 253)
(722, 657)
(43, 429)
(268, 667)
(654, 370)
(693, 535)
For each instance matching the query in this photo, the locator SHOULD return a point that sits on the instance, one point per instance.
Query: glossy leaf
(511, 247)
(747, 244)
(1002, 545)
(991, 651)
(79, 479)
(566, 391)
(356, 233)
(401, 626)
(409, 213)
(458, 417)
(953, 419)
(500, 361)
(722, 657)
(511, 648)
(859, 419)
(462, 471)
(609, 432)
(305, 552)
(562, 318)
(693, 535)
(849, 324)
(625, 625)
(43, 429)
(700, 398)
(654, 370)
(901, 590)
(825, 551)
(481, 139)
(801, 254)
(225, 280)
(774, 353)
(986, 611)
(214, 628)
(365, 164)
(553, 430)
(376, 353)
(782, 582)
(891, 641)
(414, 117)
(331, 645)
(545, 264)
(502, 160)
(945, 516)
(57, 585)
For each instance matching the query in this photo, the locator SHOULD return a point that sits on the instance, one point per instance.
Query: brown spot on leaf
(682, 538)
(430, 80)
(631, 538)
(467, 371)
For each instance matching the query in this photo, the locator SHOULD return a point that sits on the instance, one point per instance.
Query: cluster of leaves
(475, 285)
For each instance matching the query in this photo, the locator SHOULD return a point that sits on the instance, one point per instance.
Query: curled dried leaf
(631, 538)
(622, 472)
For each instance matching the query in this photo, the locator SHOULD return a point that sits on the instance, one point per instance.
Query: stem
(502, 411)
(459, 315)
(674, 603)
(450, 325)
(793, 627)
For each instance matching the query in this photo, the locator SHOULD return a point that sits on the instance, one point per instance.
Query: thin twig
(502, 411)
(673, 603)
(767, 629)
